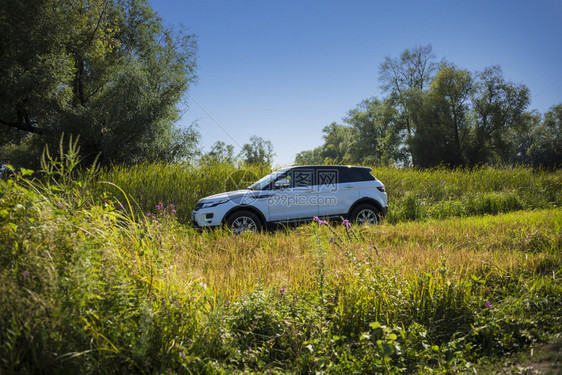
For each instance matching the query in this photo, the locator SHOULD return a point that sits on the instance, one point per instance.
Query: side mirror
(282, 184)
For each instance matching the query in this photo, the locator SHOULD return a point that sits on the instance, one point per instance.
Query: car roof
(330, 166)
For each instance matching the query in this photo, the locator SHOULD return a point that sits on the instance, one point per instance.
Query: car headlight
(214, 203)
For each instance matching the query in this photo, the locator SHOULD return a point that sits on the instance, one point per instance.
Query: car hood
(225, 195)
(244, 196)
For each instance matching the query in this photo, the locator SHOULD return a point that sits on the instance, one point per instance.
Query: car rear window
(360, 174)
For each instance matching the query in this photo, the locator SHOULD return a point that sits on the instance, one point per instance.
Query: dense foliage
(107, 71)
(88, 286)
(438, 114)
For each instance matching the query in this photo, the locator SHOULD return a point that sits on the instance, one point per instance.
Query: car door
(295, 201)
(337, 191)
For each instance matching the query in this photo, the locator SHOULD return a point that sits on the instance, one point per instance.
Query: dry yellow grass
(231, 265)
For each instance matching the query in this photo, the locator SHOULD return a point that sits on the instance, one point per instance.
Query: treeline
(434, 113)
(112, 73)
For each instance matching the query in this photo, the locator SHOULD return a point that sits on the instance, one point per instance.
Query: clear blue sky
(283, 70)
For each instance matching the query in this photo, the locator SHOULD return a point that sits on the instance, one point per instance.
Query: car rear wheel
(243, 221)
(365, 214)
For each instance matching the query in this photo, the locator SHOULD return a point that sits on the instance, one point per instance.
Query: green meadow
(412, 194)
(465, 271)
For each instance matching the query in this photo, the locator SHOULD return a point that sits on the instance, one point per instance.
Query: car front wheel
(244, 221)
(365, 214)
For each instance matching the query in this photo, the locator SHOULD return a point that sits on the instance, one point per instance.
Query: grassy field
(413, 195)
(466, 270)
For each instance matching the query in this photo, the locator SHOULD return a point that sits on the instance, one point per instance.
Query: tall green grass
(412, 194)
(440, 192)
(89, 286)
(85, 287)
(181, 185)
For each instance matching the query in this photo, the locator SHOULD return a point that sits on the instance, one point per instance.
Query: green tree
(310, 157)
(523, 138)
(257, 152)
(441, 119)
(546, 146)
(106, 70)
(337, 143)
(376, 135)
(414, 70)
(220, 153)
(499, 106)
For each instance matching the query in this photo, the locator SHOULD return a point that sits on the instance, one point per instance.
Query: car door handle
(350, 187)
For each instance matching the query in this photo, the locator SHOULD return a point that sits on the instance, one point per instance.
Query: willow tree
(108, 71)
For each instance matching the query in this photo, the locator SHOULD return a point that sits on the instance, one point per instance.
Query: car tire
(365, 214)
(244, 221)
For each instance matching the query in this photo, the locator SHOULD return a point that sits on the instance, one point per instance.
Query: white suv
(297, 194)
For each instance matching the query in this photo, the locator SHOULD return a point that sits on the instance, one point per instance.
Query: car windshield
(262, 184)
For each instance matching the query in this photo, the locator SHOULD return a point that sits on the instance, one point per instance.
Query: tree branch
(22, 125)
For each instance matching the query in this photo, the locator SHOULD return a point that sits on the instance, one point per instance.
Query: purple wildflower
(24, 273)
(488, 305)
(148, 214)
(332, 239)
(347, 224)
(320, 221)
(282, 290)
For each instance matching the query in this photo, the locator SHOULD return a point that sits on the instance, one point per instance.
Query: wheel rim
(367, 216)
(243, 224)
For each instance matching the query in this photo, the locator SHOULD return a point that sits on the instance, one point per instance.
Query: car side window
(301, 177)
(284, 176)
(345, 175)
(327, 176)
